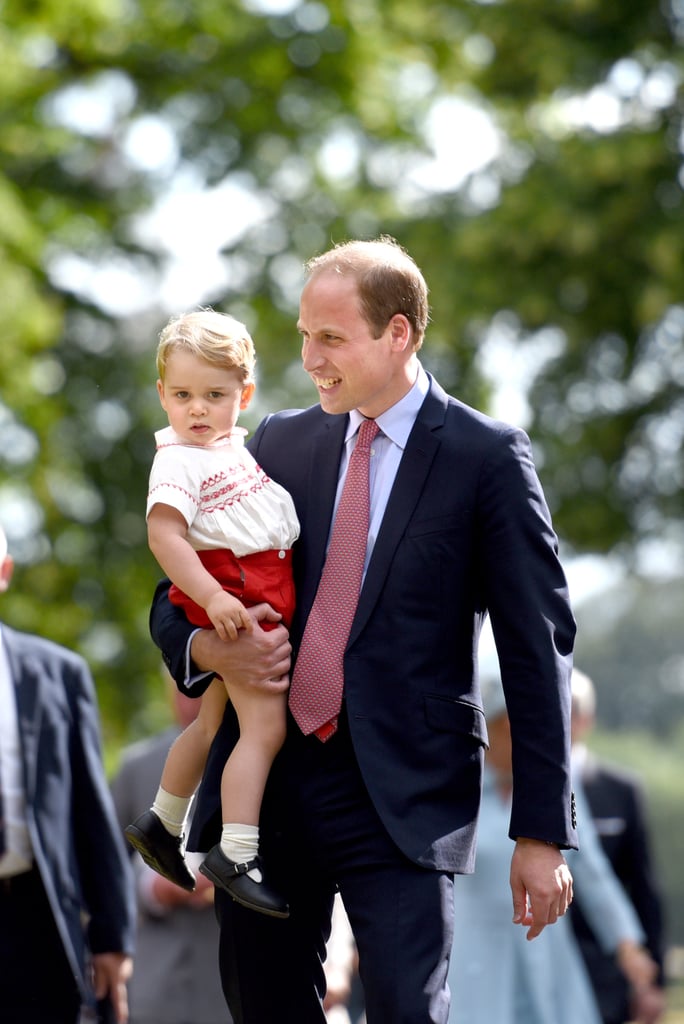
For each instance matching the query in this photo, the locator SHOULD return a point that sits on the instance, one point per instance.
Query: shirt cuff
(192, 676)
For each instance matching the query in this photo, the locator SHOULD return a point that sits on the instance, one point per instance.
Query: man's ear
(247, 394)
(401, 332)
(6, 570)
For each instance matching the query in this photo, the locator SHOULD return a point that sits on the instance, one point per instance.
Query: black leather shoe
(233, 877)
(160, 850)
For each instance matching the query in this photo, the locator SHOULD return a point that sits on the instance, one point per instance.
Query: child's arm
(167, 537)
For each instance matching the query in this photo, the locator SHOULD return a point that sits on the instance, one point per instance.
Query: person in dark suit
(385, 810)
(617, 804)
(67, 912)
(176, 980)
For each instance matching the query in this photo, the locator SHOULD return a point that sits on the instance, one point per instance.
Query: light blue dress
(496, 975)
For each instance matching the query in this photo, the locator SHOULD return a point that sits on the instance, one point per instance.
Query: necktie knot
(367, 432)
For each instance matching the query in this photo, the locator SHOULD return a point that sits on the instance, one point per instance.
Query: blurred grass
(675, 1003)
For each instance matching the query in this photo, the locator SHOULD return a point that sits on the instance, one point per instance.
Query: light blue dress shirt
(386, 451)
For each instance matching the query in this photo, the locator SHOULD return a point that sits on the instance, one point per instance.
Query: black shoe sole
(139, 841)
(258, 907)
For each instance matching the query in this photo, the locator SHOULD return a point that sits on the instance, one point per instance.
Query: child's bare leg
(262, 719)
(188, 754)
(186, 760)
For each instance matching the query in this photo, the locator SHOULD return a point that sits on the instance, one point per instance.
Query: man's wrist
(544, 842)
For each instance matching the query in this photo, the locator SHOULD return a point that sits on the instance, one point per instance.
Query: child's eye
(216, 394)
(182, 394)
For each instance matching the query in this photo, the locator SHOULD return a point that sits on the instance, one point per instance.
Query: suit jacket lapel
(421, 448)
(323, 473)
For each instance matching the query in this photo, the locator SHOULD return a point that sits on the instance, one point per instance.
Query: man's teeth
(328, 382)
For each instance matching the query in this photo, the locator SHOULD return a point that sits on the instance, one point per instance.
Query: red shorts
(263, 576)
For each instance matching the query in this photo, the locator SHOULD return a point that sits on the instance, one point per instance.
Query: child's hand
(228, 615)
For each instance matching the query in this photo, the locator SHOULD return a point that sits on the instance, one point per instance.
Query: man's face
(350, 368)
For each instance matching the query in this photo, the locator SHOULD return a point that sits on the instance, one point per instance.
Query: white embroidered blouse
(223, 494)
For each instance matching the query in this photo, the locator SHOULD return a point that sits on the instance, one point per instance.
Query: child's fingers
(226, 629)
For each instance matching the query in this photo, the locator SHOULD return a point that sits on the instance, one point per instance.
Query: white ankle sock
(171, 810)
(240, 843)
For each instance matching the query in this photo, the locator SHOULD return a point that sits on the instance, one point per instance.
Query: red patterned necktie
(318, 678)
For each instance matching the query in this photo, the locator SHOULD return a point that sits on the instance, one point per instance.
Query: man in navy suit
(386, 809)
(617, 804)
(67, 909)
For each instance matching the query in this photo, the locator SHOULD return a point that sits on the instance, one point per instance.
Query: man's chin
(333, 404)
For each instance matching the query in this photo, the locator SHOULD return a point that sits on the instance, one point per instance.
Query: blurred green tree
(160, 155)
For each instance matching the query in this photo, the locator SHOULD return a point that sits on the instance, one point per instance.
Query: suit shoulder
(482, 437)
(289, 427)
(296, 419)
(480, 422)
(608, 774)
(31, 644)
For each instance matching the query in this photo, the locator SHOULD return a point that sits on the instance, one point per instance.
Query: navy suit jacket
(76, 841)
(466, 531)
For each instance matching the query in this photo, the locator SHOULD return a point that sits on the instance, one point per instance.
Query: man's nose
(311, 357)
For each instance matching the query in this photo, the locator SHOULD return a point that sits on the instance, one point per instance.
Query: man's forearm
(173, 635)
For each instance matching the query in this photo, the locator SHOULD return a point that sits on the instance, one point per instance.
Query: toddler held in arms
(222, 531)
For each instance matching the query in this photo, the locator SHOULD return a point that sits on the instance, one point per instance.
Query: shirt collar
(396, 422)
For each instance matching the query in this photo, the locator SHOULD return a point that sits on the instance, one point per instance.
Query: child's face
(202, 401)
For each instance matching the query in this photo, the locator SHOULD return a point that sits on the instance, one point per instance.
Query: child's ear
(247, 395)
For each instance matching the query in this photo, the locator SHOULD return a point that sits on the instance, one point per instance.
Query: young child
(222, 531)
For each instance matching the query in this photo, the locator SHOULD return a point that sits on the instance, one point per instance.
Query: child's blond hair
(218, 338)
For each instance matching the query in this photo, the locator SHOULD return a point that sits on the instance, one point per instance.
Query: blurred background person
(616, 802)
(177, 978)
(496, 975)
(67, 914)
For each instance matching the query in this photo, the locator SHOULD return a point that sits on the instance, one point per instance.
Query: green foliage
(573, 227)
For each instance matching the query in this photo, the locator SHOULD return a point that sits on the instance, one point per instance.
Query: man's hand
(636, 964)
(647, 1001)
(258, 658)
(168, 895)
(111, 972)
(648, 1004)
(541, 884)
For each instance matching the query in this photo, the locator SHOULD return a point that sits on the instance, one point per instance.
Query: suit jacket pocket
(440, 524)
(449, 715)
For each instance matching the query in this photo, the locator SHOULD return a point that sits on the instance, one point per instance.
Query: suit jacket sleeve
(534, 629)
(106, 875)
(172, 633)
